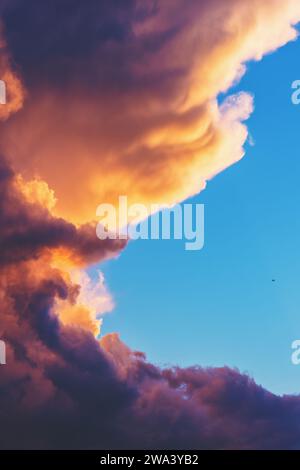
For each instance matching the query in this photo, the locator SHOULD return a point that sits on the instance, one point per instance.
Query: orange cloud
(36, 245)
(133, 113)
(91, 302)
(121, 100)
(140, 116)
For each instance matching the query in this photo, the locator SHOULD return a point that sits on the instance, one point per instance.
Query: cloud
(63, 388)
(31, 236)
(117, 99)
(28, 230)
(124, 98)
(92, 302)
(14, 93)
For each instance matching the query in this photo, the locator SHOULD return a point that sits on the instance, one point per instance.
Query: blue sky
(219, 306)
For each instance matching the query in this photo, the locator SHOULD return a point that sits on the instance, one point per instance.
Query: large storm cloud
(102, 101)
(123, 96)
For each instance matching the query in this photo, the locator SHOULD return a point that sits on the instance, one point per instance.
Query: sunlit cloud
(137, 111)
(123, 100)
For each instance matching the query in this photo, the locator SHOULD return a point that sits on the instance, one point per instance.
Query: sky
(221, 302)
(120, 344)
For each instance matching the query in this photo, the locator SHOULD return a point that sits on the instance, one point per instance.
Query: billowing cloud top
(122, 96)
(107, 98)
